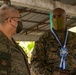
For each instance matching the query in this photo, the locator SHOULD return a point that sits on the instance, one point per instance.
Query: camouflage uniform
(13, 60)
(45, 56)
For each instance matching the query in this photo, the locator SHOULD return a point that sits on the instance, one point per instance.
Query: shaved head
(59, 11)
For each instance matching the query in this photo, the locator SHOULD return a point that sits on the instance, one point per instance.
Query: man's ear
(9, 20)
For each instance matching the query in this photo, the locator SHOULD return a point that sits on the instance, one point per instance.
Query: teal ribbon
(51, 25)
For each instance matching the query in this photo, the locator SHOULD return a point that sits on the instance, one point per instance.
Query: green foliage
(27, 47)
(30, 46)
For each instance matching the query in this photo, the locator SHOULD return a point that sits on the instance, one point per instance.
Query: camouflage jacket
(13, 60)
(46, 58)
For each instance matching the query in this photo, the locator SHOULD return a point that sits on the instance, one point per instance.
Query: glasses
(57, 16)
(14, 19)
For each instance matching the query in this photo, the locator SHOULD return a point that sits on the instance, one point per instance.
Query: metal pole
(54, 4)
(7, 2)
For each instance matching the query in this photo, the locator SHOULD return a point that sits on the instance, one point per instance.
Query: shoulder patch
(4, 60)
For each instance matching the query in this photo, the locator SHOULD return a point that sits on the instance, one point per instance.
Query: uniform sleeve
(38, 59)
(4, 63)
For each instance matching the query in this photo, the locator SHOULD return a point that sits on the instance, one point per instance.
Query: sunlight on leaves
(27, 47)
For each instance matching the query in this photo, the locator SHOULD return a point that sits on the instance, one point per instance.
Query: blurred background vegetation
(27, 47)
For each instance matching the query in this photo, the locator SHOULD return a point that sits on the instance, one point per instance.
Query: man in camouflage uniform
(46, 54)
(13, 60)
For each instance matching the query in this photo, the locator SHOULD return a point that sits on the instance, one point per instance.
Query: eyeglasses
(14, 17)
(57, 16)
